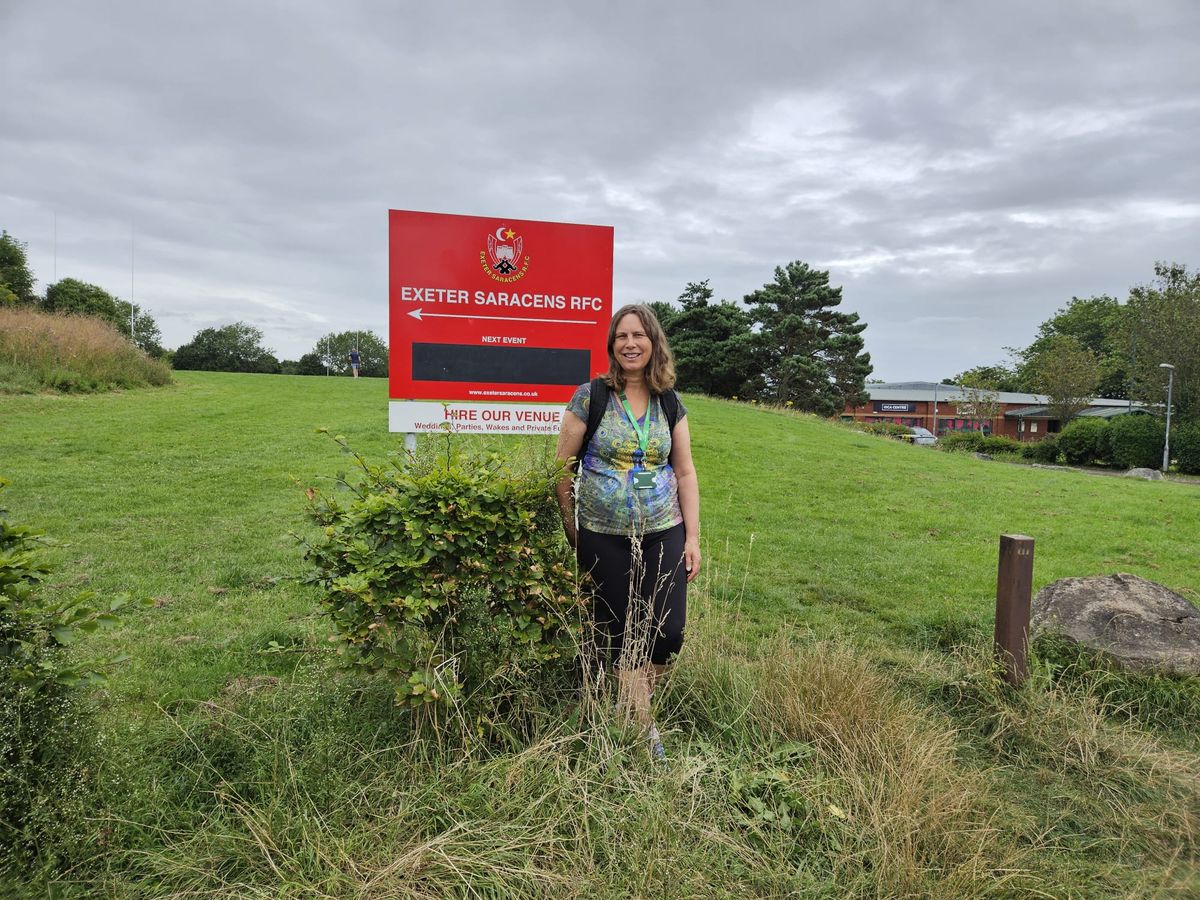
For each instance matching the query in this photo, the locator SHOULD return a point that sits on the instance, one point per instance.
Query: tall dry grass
(40, 350)
(885, 776)
(1140, 790)
(797, 771)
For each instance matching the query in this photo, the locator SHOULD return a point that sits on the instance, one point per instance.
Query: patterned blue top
(606, 499)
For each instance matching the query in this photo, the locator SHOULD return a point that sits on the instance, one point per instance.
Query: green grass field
(856, 570)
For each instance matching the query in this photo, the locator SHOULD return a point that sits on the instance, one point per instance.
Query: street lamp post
(1167, 440)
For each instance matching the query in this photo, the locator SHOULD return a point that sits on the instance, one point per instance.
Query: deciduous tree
(1067, 372)
(999, 377)
(230, 348)
(310, 364)
(977, 402)
(1095, 323)
(16, 280)
(145, 330)
(80, 298)
(333, 350)
(83, 299)
(1163, 322)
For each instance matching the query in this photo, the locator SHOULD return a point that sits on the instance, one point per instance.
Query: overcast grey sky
(961, 168)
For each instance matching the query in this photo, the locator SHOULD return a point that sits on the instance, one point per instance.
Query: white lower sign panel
(424, 417)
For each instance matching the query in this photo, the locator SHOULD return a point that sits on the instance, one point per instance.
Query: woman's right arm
(570, 444)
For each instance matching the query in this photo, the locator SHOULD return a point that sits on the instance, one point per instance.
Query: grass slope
(813, 533)
(69, 353)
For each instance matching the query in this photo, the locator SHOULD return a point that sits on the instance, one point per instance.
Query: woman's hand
(691, 558)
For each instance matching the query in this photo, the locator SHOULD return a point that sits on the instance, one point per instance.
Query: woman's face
(631, 345)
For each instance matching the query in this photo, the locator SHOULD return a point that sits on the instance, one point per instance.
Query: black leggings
(653, 578)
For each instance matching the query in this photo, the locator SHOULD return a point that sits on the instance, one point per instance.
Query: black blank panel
(499, 365)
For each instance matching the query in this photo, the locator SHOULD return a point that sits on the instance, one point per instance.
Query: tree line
(1101, 347)
(237, 347)
(788, 344)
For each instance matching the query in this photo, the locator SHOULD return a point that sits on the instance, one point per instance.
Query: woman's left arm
(689, 495)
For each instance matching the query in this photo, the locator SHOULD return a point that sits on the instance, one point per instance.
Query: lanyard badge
(643, 478)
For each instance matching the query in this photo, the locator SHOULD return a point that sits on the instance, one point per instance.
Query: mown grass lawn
(189, 494)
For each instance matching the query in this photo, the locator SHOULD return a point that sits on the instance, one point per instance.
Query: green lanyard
(642, 431)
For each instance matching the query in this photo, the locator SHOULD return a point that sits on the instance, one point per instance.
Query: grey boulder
(1145, 474)
(1140, 625)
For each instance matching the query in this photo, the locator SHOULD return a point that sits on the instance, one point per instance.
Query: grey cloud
(963, 169)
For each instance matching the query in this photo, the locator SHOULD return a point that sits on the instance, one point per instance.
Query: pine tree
(812, 353)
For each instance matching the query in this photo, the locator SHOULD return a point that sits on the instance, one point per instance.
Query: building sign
(489, 316)
(887, 406)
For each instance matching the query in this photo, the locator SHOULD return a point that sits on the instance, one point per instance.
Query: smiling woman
(633, 515)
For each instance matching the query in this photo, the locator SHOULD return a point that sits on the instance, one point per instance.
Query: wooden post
(1014, 585)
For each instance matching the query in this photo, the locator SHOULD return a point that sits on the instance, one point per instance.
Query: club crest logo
(504, 259)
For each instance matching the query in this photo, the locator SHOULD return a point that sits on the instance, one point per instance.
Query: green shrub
(887, 429)
(1043, 451)
(1137, 441)
(1104, 448)
(999, 443)
(1083, 441)
(447, 576)
(962, 442)
(1185, 448)
(44, 727)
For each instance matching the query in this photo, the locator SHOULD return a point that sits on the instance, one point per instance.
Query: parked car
(919, 435)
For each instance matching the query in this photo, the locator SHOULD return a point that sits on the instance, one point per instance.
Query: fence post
(1014, 584)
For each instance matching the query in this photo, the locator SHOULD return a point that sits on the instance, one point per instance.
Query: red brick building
(1024, 417)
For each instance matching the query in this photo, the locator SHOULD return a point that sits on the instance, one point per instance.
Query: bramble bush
(1137, 441)
(450, 577)
(45, 729)
(1083, 442)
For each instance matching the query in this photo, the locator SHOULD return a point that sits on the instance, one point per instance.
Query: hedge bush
(887, 429)
(447, 577)
(1084, 441)
(1137, 442)
(999, 443)
(961, 442)
(1185, 448)
(1043, 451)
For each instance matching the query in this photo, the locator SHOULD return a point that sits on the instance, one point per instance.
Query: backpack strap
(670, 406)
(597, 404)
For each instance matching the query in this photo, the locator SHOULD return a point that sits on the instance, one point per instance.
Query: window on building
(1033, 427)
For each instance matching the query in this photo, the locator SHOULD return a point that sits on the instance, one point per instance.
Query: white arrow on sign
(419, 312)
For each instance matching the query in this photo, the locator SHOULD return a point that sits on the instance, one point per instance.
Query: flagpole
(132, 314)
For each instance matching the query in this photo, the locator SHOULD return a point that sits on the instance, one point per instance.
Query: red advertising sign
(494, 311)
